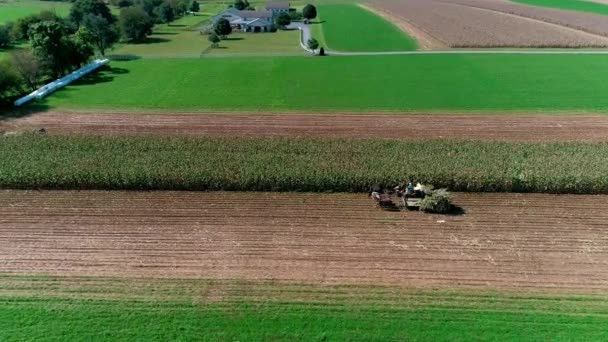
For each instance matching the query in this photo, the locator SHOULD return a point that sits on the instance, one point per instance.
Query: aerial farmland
(256, 187)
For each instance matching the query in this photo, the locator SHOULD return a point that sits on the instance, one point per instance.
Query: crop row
(298, 164)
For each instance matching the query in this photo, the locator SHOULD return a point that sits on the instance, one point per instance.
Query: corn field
(298, 164)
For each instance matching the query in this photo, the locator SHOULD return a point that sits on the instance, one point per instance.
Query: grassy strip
(360, 83)
(292, 164)
(348, 27)
(28, 318)
(13, 10)
(574, 5)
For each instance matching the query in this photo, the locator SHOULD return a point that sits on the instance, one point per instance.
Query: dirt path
(502, 240)
(507, 127)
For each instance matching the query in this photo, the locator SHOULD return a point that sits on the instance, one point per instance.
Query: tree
(239, 5)
(79, 49)
(9, 82)
(59, 52)
(179, 7)
(309, 12)
(81, 8)
(194, 6)
(28, 67)
(22, 26)
(103, 34)
(165, 12)
(135, 24)
(312, 44)
(223, 28)
(6, 36)
(49, 45)
(214, 39)
(124, 3)
(283, 20)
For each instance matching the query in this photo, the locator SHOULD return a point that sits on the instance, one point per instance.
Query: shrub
(437, 201)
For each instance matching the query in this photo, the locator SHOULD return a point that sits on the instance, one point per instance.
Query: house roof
(277, 5)
(255, 14)
(249, 22)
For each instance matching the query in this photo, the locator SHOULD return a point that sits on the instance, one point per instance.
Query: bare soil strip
(462, 25)
(514, 241)
(425, 40)
(501, 128)
(586, 22)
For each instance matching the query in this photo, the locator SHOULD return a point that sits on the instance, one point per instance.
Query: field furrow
(501, 240)
(470, 24)
(482, 127)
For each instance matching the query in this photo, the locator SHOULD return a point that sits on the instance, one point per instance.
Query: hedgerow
(298, 164)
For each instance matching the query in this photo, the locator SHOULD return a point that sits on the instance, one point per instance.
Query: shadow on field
(105, 74)
(154, 40)
(234, 38)
(176, 25)
(455, 211)
(124, 58)
(164, 34)
(30, 109)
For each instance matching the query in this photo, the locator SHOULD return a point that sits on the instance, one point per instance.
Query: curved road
(305, 35)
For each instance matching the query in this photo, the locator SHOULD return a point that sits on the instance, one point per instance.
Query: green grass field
(180, 38)
(297, 164)
(15, 9)
(347, 27)
(287, 42)
(575, 5)
(359, 83)
(324, 313)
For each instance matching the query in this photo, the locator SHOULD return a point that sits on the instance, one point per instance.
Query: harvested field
(500, 128)
(461, 26)
(588, 22)
(502, 241)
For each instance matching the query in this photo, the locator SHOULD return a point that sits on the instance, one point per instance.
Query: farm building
(247, 21)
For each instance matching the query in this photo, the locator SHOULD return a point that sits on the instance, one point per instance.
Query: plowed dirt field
(484, 127)
(470, 24)
(501, 241)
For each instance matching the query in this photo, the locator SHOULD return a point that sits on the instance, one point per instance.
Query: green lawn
(15, 9)
(575, 5)
(180, 38)
(262, 43)
(347, 27)
(466, 82)
(413, 316)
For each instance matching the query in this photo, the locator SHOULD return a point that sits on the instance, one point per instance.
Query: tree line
(57, 46)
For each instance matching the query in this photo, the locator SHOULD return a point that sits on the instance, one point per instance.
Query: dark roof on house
(277, 5)
(255, 14)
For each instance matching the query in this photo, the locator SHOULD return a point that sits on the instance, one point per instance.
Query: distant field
(472, 25)
(346, 27)
(576, 5)
(13, 10)
(362, 83)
